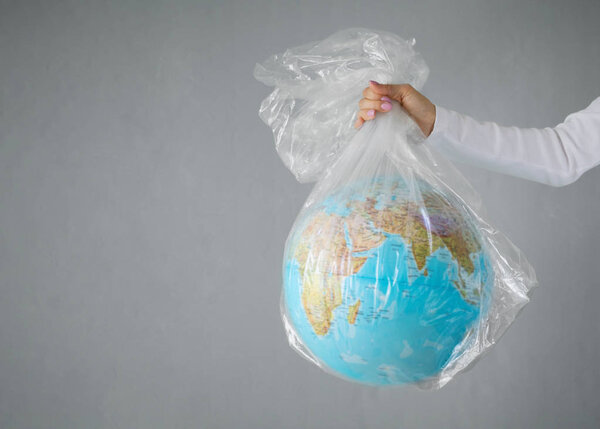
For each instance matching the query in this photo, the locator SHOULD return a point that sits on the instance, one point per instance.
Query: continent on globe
(336, 241)
(410, 260)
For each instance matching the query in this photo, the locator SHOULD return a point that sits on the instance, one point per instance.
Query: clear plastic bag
(391, 275)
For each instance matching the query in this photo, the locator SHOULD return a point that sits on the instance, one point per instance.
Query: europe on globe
(386, 281)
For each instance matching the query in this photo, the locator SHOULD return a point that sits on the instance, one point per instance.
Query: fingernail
(384, 98)
(386, 106)
(373, 82)
(371, 113)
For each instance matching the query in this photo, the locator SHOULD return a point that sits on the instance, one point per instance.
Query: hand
(377, 98)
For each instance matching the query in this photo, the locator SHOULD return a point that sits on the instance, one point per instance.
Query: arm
(554, 156)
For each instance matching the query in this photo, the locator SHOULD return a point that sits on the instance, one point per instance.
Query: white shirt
(554, 156)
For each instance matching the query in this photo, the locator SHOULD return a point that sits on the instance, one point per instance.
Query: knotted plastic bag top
(317, 87)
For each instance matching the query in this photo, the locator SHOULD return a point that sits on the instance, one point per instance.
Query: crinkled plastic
(391, 274)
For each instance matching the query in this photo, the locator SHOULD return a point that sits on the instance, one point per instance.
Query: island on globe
(385, 281)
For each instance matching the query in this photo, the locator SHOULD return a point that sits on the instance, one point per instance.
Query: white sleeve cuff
(441, 122)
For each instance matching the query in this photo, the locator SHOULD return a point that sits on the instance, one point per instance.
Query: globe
(386, 281)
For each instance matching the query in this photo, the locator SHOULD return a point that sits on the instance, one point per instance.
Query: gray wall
(143, 212)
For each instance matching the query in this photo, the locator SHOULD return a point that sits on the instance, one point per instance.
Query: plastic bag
(391, 275)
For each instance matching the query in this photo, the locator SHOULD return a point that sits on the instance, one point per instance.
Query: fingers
(368, 107)
(395, 92)
(369, 94)
(375, 91)
(382, 105)
(359, 122)
(378, 97)
(363, 116)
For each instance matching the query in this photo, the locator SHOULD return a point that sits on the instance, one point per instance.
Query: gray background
(143, 213)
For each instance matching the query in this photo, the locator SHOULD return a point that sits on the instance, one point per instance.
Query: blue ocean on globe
(382, 319)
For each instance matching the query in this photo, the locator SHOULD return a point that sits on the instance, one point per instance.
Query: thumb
(395, 92)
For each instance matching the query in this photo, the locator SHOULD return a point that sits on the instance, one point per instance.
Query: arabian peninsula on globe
(385, 281)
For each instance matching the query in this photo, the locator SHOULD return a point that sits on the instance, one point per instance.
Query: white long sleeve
(553, 156)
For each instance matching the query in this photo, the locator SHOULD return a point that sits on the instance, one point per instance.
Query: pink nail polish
(384, 98)
(372, 81)
(371, 113)
(386, 106)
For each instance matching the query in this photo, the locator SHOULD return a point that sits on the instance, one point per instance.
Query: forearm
(553, 156)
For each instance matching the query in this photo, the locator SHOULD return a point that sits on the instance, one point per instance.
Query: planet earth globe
(386, 281)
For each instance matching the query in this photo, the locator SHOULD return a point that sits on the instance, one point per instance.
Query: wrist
(429, 121)
(426, 120)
